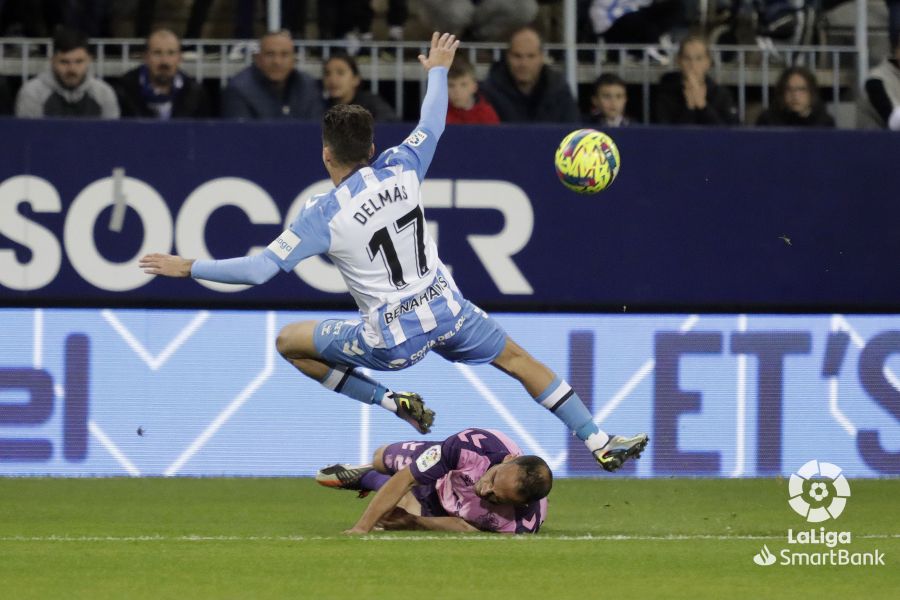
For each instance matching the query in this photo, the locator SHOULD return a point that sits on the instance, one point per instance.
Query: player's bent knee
(295, 340)
(378, 460)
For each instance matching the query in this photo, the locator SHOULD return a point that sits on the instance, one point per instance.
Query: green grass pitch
(281, 538)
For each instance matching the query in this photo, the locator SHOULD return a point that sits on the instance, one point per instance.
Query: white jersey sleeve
(414, 154)
(307, 236)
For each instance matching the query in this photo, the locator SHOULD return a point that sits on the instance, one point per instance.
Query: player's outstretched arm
(419, 148)
(385, 500)
(249, 270)
(398, 519)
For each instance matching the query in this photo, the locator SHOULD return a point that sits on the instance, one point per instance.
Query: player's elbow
(258, 278)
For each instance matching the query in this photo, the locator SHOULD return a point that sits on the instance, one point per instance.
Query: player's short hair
(460, 67)
(348, 131)
(535, 477)
(608, 79)
(67, 39)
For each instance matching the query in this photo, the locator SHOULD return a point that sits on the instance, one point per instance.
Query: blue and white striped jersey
(372, 227)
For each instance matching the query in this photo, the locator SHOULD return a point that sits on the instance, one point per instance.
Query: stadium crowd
(520, 87)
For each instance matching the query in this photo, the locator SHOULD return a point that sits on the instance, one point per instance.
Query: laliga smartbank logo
(818, 491)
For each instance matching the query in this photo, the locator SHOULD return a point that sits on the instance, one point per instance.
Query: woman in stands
(689, 96)
(796, 102)
(342, 83)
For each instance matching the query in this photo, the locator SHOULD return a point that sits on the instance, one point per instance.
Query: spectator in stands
(67, 89)
(342, 83)
(481, 20)
(522, 88)
(796, 102)
(6, 105)
(690, 96)
(272, 88)
(467, 105)
(158, 89)
(881, 105)
(608, 102)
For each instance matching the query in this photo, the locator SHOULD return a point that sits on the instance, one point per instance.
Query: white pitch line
(365, 424)
(113, 449)
(624, 391)
(381, 537)
(365, 411)
(37, 350)
(180, 339)
(235, 404)
(498, 406)
(838, 323)
(741, 405)
(638, 376)
(835, 410)
(155, 362)
(892, 378)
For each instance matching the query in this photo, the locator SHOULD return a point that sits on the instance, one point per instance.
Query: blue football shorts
(472, 337)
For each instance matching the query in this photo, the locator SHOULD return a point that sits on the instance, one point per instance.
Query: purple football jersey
(451, 468)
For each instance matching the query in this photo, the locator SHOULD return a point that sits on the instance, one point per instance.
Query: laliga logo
(818, 491)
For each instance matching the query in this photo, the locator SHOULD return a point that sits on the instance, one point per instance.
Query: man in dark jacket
(158, 89)
(272, 88)
(523, 88)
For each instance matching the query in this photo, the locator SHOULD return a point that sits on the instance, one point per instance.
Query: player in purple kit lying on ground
(475, 480)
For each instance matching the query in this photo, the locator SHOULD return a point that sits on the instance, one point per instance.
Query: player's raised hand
(443, 49)
(166, 264)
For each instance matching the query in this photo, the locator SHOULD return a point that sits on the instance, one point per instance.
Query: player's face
(163, 57)
(70, 68)
(461, 91)
(694, 59)
(276, 57)
(524, 57)
(797, 95)
(610, 99)
(339, 80)
(500, 484)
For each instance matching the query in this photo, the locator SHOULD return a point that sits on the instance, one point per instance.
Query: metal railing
(741, 67)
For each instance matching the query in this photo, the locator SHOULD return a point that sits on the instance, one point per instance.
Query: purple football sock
(373, 480)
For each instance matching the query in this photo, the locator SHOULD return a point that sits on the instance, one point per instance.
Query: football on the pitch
(587, 161)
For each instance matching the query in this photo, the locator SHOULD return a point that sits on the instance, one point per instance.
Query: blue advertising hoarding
(697, 220)
(197, 393)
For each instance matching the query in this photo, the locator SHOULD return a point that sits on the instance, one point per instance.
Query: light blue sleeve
(418, 149)
(307, 236)
(251, 270)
